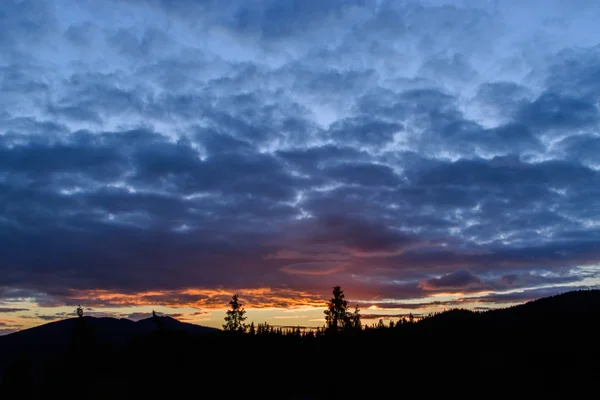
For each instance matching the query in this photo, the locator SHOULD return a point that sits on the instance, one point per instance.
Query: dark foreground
(545, 350)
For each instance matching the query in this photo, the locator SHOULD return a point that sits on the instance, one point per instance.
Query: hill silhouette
(544, 347)
(53, 338)
(572, 305)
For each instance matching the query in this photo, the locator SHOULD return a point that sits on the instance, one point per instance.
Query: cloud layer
(400, 149)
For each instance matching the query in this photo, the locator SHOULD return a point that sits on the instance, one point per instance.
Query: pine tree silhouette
(234, 320)
(336, 315)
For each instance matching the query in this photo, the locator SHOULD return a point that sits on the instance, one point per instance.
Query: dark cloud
(268, 18)
(363, 174)
(50, 317)
(529, 279)
(312, 160)
(136, 316)
(354, 234)
(363, 131)
(581, 148)
(509, 171)
(574, 72)
(386, 316)
(455, 67)
(552, 111)
(454, 281)
(502, 99)
(12, 310)
(26, 22)
(82, 34)
(529, 295)
(312, 268)
(417, 306)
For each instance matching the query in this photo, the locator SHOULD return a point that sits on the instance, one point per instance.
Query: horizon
(369, 319)
(424, 155)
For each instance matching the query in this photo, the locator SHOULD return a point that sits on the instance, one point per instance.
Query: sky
(424, 155)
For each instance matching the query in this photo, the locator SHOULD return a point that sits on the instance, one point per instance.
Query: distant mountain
(53, 339)
(565, 322)
(572, 304)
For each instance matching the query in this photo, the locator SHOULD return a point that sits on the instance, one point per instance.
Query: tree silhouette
(355, 319)
(336, 315)
(234, 320)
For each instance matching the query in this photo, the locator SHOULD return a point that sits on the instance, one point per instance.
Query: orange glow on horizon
(198, 298)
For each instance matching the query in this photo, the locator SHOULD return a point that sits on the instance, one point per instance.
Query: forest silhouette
(544, 347)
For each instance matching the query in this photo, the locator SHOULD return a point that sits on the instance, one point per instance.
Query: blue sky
(424, 155)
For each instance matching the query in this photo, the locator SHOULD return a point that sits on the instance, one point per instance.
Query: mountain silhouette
(52, 339)
(575, 306)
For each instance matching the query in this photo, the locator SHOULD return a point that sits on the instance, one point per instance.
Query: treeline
(338, 319)
(266, 329)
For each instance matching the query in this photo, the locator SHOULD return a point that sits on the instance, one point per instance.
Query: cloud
(530, 294)
(581, 148)
(373, 144)
(353, 233)
(12, 310)
(205, 299)
(458, 280)
(312, 268)
(50, 317)
(136, 316)
(386, 316)
(554, 111)
(9, 326)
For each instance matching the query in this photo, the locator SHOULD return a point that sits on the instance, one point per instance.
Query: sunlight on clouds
(72, 191)
(123, 185)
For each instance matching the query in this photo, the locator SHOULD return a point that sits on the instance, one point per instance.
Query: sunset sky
(424, 155)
